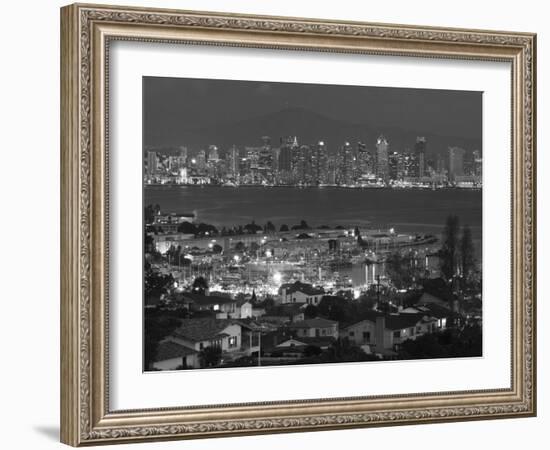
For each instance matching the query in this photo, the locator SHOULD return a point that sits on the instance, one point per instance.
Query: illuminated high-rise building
(420, 152)
(396, 166)
(286, 154)
(478, 163)
(152, 163)
(456, 162)
(233, 161)
(319, 159)
(201, 160)
(364, 164)
(213, 154)
(344, 173)
(382, 162)
(265, 159)
(302, 164)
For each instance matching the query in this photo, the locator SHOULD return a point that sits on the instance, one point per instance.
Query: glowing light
(236, 258)
(356, 294)
(193, 161)
(277, 277)
(392, 230)
(268, 253)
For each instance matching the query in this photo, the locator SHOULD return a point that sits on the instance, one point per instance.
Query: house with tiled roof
(197, 334)
(400, 327)
(171, 356)
(299, 292)
(442, 314)
(221, 307)
(314, 328)
(361, 333)
(384, 333)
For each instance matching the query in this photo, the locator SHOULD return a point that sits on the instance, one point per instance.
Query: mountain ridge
(311, 127)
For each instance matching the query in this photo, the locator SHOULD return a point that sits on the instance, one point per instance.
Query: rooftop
(401, 321)
(170, 350)
(318, 322)
(298, 286)
(203, 329)
(204, 300)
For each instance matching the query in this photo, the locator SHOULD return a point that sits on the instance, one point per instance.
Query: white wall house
(198, 334)
(315, 328)
(171, 356)
(361, 333)
(299, 292)
(245, 310)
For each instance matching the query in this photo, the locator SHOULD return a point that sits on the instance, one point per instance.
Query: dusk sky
(174, 105)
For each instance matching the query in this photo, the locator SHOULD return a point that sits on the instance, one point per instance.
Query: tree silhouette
(210, 356)
(269, 227)
(449, 250)
(252, 228)
(200, 286)
(467, 259)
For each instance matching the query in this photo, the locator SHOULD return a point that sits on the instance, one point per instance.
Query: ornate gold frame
(86, 31)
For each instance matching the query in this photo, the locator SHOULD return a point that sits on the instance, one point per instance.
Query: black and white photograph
(292, 223)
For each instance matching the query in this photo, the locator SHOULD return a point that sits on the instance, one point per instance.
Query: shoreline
(393, 188)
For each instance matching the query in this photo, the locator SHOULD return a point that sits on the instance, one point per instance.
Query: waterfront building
(319, 159)
(364, 166)
(183, 175)
(213, 154)
(286, 156)
(456, 162)
(420, 152)
(382, 162)
(152, 163)
(478, 163)
(200, 160)
(265, 159)
(396, 166)
(345, 165)
(233, 162)
(411, 165)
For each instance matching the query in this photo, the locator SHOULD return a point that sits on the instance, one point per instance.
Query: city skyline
(289, 162)
(198, 113)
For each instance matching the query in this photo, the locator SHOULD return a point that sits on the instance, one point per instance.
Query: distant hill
(311, 127)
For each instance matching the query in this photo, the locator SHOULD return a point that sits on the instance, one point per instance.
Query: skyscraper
(201, 160)
(302, 165)
(233, 161)
(420, 152)
(382, 167)
(396, 166)
(345, 164)
(456, 162)
(213, 154)
(152, 163)
(364, 164)
(319, 158)
(265, 159)
(288, 144)
(478, 163)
